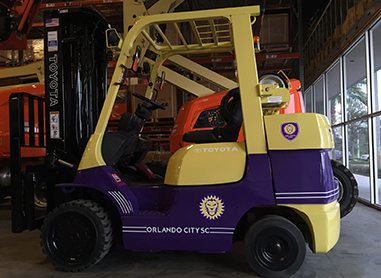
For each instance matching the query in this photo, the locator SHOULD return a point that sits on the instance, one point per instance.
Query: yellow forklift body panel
(298, 131)
(324, 224)
(206, 164)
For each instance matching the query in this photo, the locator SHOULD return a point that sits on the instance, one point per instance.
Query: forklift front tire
(274, 247)
(76, 235)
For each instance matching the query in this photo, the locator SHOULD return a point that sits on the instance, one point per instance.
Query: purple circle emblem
(290, 130)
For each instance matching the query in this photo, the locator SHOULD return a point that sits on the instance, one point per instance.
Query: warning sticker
(52, 22)
(52, 41)
(55, 125)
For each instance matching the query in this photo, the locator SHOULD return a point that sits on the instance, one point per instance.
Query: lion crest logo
(290, 130)
(212, 207)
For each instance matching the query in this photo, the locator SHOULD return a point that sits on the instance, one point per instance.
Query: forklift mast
(76, 80)
(75, 86)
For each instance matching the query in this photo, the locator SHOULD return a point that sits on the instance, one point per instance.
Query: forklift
(274, 190)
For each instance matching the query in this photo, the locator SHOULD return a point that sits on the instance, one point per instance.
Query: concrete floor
(358, 254)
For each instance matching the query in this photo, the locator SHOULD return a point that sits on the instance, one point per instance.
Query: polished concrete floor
(358, 254)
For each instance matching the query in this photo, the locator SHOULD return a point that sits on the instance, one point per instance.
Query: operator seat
(115, 145)
(129, 123)
(231, 112)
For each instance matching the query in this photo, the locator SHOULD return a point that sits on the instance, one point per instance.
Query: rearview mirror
(113, 39)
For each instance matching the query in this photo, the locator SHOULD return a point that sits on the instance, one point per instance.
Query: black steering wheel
(155, 105)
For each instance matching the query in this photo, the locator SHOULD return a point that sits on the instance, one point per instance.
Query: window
(308, 100)
(375, 35)
(319, 96)
(334, 107)
(377, 161)
(338, 151)
(356, 127)
(356, 82)
(358, 155)
(376, 45)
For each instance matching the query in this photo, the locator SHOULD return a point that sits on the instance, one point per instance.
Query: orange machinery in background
(16, 18)
(203, 113)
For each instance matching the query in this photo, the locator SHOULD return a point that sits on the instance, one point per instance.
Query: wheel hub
(275, 248)
(275, 251)
(72, 237)
(341, 188)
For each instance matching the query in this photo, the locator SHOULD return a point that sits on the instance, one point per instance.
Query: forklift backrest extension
(24, 109)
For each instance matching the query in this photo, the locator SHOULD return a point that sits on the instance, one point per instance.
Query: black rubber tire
(274, 232)
(349, 192)
(84, 227)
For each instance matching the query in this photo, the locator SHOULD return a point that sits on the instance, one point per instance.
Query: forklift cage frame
(210, 35)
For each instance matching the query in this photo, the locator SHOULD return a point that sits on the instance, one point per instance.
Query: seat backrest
(117, 144)
(231, 112)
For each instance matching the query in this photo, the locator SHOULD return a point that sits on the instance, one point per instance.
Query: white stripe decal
(309, 197)
(143, 229)
(120, 205)
(129, 203)
(123, 205)
(122, 201)
(299, 193)
(221, 228)
(118, 201)
(226, 233)
(129, 207)
(145, 232)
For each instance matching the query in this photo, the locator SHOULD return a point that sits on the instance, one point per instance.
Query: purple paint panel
(303, 177)
(108, 181)
(199, 218)
(259, 177)
(204, 218)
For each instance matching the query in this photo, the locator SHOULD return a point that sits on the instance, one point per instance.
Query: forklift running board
(27, 131)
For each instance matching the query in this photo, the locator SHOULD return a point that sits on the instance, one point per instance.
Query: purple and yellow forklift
(274, 191)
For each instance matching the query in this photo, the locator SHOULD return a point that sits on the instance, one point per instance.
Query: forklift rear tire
(274, 247)
(76, 235)
(348, 188)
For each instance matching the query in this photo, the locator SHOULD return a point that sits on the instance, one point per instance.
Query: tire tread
(106, 225)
